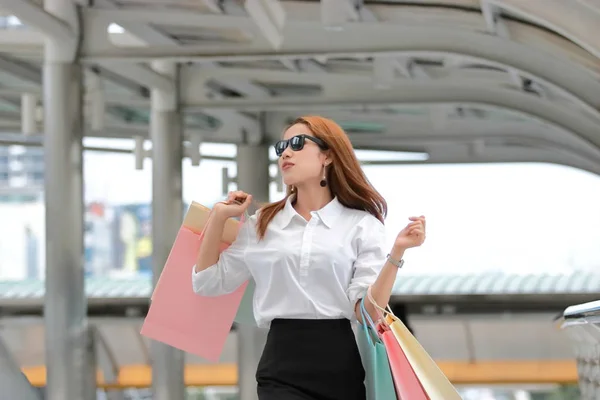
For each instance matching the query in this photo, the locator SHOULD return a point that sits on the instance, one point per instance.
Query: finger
(237, 197)
(415, 224)
(238, 194)
(421, 218)
(416, 231)
(247, 201)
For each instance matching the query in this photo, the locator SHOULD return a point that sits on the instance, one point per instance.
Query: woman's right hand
(237, 202)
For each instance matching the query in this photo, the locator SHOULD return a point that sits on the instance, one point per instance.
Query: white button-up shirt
(316, 269)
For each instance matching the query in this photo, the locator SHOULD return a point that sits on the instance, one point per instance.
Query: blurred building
(21, 174)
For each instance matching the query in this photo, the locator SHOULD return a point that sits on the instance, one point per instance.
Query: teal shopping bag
(378, 376)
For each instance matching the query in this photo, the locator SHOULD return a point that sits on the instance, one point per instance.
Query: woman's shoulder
(361, 217)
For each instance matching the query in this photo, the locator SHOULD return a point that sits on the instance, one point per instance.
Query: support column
(252, 177)
(69, 363)
(167, 214)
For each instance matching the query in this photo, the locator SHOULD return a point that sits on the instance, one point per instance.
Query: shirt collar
(327, 214)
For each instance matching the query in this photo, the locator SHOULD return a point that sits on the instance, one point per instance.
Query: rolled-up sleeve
(229, 272)
(370, 258)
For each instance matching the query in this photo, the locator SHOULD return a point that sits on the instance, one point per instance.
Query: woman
(312, 256)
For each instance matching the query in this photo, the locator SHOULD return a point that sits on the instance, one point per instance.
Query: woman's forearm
(381, 290)
(209, 248)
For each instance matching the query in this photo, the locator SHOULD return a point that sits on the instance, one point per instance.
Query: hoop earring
(323, 182)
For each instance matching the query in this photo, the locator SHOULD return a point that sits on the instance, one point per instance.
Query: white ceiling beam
(22, 41)
(384, 72)
(312, 66)
(575, 20)
(213, 6)
(417, 71)
(490, 15)
(195, 77)
(496, 26)
(144, 76)
(511, 154)
(269, 17)
(425, 93)
(292, 65)
(336, 13)
(364, 35)
(152, 36)
(37, 18)
(431, 143)
(366, 15)
(584, 97)
(242, 86)
(145, 32)
(247, 88)
(231, 130)
(402, 64)
(175, 17)
(308, 65)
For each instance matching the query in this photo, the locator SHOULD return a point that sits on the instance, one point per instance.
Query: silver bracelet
(393, 261)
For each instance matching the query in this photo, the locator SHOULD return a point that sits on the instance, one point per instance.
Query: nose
(287, 153)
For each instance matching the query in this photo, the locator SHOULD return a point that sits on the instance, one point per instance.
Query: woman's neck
(311, 199)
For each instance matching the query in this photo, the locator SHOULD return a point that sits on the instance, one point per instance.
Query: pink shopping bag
(406, 381)
(179, 317)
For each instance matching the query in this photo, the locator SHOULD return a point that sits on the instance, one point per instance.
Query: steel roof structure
(501, 284)
(461, 80)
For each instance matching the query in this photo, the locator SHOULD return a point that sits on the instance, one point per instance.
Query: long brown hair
(345, 177)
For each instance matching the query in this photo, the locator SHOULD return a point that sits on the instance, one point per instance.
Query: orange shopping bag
(178, 316)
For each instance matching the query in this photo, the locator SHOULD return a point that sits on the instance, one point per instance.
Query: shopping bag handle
(382, 312)
(365, 316)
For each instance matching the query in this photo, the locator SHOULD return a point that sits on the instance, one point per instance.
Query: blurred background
(483, 115)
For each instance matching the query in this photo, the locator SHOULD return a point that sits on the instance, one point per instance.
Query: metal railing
(581, 322)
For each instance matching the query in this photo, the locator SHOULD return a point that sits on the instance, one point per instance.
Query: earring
(323, 182)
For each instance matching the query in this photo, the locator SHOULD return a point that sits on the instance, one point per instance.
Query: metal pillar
(167, 214)
(69, 362)
(252, 177)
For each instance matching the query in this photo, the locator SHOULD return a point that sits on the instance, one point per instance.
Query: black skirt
(310, 360)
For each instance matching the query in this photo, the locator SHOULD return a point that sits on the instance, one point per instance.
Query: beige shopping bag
(196, 217)
(436, 384)
(432, 379)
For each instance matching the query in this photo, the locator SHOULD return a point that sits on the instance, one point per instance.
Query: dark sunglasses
(297, 143)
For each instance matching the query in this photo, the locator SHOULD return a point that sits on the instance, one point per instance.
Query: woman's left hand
(413, 235)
